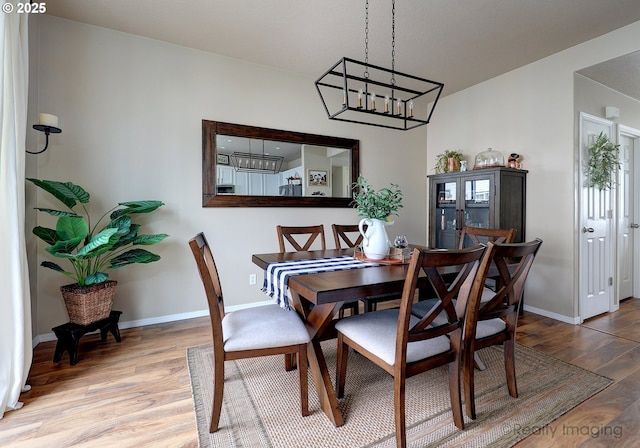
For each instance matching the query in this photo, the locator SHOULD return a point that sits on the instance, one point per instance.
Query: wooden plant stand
(69, 335)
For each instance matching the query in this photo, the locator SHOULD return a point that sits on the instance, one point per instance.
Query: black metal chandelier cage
(359, 92)
(351, 97)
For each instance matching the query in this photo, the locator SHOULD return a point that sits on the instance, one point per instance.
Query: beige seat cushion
(376, 333)
(262, 327)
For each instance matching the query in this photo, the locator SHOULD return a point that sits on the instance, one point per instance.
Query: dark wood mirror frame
(210, 198)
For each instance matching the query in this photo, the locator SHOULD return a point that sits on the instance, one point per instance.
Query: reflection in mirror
(247, 166)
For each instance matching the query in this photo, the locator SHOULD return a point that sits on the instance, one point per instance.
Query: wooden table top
(337, 286)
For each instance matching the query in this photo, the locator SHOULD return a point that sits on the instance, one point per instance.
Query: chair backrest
(454, 298)
(472, 236)
(211, 281)
(310, 232)
(340, 236)
(513, 263)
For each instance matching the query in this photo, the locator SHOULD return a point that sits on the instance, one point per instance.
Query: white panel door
(596, 242)
(627, 264)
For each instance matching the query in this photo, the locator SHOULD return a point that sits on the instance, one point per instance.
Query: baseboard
(556, 316)
(156, 320)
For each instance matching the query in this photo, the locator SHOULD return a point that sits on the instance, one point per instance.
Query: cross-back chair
(405, 345)
(301, 238)
(247, 333)
(472, 236)
(347, 235)
(497, 313)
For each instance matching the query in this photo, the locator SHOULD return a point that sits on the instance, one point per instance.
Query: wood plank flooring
(137, 393)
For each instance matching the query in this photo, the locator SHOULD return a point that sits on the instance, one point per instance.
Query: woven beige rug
(261, 403)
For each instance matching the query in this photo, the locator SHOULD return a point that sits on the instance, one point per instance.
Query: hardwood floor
(137, 392)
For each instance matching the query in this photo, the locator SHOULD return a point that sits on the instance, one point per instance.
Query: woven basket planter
(88, 304)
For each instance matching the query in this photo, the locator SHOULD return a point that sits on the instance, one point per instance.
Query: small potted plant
(92, 248)
(448, 161)
(375, 207)
(603, 162)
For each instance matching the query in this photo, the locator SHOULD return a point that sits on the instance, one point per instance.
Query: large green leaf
(98, 277)
(98, 244)
(136, 207)
(129, 237)
(49, 236)
(133, 256)
(54, 266)
(148, 240)
(69, 228)
(53, 212)
(64, 249)
(66, 192)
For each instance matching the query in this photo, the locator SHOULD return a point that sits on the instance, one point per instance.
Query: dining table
(317, 297)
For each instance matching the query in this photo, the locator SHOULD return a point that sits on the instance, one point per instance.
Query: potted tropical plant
(92, 248)
(375, 207)
(448, 161)
(603, 162)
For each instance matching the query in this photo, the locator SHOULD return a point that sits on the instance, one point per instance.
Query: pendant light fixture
(359, 92)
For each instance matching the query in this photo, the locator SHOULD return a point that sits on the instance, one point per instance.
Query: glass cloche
(489, 159)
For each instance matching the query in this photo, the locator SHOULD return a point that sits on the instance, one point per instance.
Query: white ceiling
(457, 42)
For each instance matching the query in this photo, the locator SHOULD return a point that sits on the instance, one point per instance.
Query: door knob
(634, 226)
(587, 230)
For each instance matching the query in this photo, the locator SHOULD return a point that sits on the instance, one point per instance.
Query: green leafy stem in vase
(374, 204)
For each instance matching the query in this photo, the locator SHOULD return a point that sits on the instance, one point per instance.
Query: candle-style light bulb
(386, 104)
(373, 101)
(344, 97)
(411, 108)
(360, 99)
(399, 107)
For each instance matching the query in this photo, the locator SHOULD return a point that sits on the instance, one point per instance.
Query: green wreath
(602, 163)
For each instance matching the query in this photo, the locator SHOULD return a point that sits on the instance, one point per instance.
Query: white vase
(375, 242)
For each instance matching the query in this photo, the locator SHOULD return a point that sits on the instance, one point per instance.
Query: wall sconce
(48, 124)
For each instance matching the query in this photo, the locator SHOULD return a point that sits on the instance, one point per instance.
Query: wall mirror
(248, 166)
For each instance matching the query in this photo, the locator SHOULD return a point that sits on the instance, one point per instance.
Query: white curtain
(15, 302)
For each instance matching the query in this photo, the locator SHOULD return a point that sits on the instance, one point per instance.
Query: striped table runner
(276, 275)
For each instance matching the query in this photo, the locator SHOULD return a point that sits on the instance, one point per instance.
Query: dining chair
(350, 236)
(247, 333)
(309, 235)
(472, 236)
(300, 238)
(405, 345)
(497, 313)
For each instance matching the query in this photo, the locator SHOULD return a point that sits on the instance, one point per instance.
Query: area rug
(261, 402)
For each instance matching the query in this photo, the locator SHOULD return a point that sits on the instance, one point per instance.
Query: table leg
(317, 320)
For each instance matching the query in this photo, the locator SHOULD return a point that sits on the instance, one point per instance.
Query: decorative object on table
(602, 162)
(463, 165)
(489, 159)
(375, 207)
(514, 160)
(92, 250)
(359, 92)
(448, 162)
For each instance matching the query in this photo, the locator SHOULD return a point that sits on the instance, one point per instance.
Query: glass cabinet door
(445, 225)
(477, 200)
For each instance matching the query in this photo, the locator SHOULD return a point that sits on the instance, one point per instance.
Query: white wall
(131, 109)
(530, 111)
